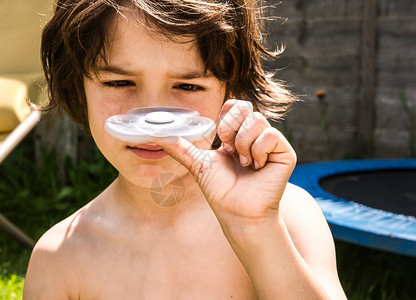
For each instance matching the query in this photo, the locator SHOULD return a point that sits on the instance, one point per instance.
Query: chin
(153, 175)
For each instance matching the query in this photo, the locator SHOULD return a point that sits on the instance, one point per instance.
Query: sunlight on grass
(11, 287)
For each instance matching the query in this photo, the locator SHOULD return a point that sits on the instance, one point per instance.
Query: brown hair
(226, 32)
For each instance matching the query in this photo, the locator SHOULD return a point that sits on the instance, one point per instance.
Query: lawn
(32, 196)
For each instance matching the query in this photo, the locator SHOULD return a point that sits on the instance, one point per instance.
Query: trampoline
(367, 202)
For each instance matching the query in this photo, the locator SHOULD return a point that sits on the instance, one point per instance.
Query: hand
(244, 180)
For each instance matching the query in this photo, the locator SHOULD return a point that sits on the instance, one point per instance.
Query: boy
(239, 230)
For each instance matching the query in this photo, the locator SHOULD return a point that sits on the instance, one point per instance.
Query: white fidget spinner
(141, 124)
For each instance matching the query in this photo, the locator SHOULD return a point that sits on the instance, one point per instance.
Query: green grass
(372, 274)
(11, 287)
(32, 197)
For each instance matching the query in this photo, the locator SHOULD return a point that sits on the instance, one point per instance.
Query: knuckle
(225, 132)
(257, 150)
(294, 156)
(240, 140)
(258, 115)
(252, 120)
(241, 144)
(247, 104)
(271, 132)
(243, 106)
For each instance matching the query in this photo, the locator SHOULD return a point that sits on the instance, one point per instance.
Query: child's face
(146, 69)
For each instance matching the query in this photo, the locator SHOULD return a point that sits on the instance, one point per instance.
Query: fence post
(366, 102)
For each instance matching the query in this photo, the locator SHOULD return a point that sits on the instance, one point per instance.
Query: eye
(190, 87)
(118, 83)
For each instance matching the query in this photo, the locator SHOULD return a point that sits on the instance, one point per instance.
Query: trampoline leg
(13, 230)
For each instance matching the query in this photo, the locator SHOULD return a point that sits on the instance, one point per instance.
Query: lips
(150, 147)
(148, 151)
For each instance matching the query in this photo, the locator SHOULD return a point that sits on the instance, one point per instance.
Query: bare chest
(163, 272)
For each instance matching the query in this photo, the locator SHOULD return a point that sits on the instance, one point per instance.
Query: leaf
(65, 192)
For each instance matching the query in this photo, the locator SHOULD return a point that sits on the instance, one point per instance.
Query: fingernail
(256, 164)
(228, 147)
(243, 160)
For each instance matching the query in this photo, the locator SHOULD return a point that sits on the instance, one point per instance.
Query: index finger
(233, 114)
(187, 154)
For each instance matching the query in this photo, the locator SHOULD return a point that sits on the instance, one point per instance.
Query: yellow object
(13, 106)
(21, 23)
(320, 93)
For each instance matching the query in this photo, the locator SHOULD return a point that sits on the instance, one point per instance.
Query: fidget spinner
(139, 125)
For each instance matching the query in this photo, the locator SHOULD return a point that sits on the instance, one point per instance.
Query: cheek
(212, 108)
(99, 100)
(98, 111)
(100, 107)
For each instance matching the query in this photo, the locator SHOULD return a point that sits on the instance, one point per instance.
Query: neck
(168, 198)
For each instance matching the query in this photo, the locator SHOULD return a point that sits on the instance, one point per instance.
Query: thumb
(196, 160)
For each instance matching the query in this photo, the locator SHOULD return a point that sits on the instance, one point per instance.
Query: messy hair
(226, 32)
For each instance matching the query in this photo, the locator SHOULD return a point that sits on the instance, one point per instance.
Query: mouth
(148, 151)
(150, 147)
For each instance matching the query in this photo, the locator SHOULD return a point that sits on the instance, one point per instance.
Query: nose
(153, 94)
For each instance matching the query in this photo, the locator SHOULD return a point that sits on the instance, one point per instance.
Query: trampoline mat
(388, 190)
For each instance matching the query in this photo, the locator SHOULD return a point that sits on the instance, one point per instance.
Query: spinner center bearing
(160, 117)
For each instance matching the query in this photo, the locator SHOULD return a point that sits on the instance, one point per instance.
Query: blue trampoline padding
(354, 222)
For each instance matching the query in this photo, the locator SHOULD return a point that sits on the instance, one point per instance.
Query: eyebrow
(190, 75)
(183, 76)
(115, 70)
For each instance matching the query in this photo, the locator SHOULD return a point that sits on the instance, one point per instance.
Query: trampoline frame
(353, 222)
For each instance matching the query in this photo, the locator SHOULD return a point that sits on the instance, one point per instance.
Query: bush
(33, 198)
(11, 287)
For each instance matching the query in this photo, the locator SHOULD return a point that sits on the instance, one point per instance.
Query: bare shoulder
(311, 236)
(52, 267)
(305, 221)
(297, 204)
